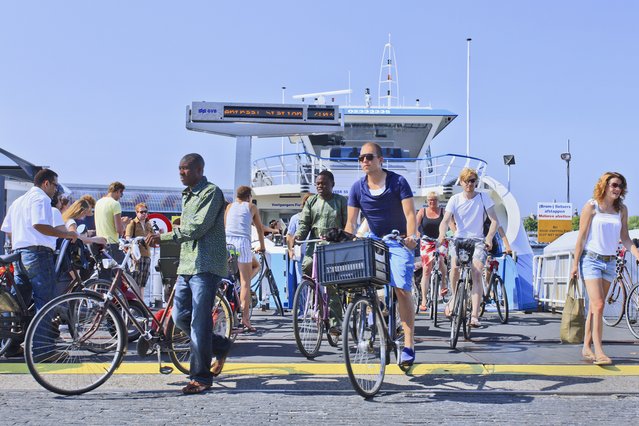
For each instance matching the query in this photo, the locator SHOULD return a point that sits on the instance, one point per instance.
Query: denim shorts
(592, 269)
(402, 264)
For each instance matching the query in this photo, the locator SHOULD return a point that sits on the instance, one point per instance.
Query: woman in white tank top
(238, 217)
(603, 222)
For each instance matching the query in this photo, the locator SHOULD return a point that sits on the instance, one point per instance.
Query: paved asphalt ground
(515, 373)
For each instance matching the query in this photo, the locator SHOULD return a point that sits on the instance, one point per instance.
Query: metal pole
(568, 175)
(468, 40)
(508, 178)
(282, 142)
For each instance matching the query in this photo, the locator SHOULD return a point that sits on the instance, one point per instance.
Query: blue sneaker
(407, 357)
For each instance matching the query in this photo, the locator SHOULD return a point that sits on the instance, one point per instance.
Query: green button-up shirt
(201, 232)
(317, 217)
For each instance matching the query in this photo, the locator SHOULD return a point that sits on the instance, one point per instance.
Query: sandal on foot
(248, 329)
(447, 312)
(443, 291)
(602, 360)
(588, 356)
(474, 322)
(218, 365)
(423, 308)
(195, 387)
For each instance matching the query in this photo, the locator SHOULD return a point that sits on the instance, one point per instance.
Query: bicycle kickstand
(166, 369)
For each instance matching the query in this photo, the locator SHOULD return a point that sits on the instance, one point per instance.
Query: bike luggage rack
(353, 264)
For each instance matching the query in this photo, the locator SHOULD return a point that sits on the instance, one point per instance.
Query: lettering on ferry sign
(553, 221)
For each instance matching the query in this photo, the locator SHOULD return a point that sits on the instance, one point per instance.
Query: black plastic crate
(353, 263)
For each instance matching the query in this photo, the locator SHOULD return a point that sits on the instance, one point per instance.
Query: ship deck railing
(436, 172)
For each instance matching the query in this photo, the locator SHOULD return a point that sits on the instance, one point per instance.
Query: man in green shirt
(202, 264)
(322, 212)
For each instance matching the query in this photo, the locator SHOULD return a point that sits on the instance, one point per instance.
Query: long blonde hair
(600, 188)
(76, 210)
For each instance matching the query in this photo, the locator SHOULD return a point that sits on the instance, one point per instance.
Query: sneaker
(407, 357)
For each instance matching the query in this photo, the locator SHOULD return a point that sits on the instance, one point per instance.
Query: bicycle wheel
(632, 311)
(615, 303)
(457, 314)
(435, 285)
(308, 323)
(75, 343)
(365, 356)
(275, 293)
(417, 290)
(501, 298)
(180, 343)
(4, 345)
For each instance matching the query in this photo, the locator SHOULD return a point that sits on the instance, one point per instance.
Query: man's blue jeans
(192, 313)
(36, 282)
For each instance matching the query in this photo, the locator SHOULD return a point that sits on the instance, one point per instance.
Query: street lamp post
(567, 157)
(509, 160)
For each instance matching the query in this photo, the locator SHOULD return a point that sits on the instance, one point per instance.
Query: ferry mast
(388, 88)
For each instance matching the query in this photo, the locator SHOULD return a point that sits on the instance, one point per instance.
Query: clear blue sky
(97, 90)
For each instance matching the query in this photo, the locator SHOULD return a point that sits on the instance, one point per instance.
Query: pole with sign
(553, 221)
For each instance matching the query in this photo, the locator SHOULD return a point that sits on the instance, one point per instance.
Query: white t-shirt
(70, 222)
(33, 208)
(57, 217)
(469, 214)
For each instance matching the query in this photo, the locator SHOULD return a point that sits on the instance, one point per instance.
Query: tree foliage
(530, 224)
(575, 223)
(633, 222)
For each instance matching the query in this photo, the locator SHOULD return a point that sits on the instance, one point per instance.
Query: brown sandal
(218, 365)
(602, 360)
(195, 387)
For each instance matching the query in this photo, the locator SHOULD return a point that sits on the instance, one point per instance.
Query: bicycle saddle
(5, 259)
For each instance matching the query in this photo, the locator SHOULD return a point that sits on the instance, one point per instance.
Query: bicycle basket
(465, 250)
(353, 264)
(233, 255)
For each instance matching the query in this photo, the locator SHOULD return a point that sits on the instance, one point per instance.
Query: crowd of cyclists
(379, 204)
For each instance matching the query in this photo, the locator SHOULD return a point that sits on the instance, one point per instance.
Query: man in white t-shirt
(30, 223)
(469, 208)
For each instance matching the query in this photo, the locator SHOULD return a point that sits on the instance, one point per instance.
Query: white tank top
(605, 230)
(239, 219)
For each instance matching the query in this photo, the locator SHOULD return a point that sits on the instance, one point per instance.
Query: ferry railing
(551, 276)
(421, 173)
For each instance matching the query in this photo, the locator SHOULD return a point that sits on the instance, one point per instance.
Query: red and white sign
(160, 223)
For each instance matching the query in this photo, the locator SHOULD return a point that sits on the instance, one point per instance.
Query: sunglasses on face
(143, 211)
(367, 157)
(616, 185)
(471, 181)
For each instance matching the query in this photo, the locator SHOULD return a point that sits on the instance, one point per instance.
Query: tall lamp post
(566, 157)
(509, 160)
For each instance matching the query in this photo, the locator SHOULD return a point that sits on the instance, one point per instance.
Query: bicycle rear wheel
(308, 323)
(365, 355)
(614, 303)
(467, 309)
(75, 343)
(632, 311)
(501, 298)
(180, 343)
(457, 314)
(275, 292)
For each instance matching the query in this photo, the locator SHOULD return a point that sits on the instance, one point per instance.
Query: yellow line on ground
(272, 369)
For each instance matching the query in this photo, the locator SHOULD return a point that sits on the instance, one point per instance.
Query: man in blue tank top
(385, 200)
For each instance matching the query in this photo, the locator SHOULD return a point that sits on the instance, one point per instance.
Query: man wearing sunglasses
(468, 209)
(141, 227)
(385, 199)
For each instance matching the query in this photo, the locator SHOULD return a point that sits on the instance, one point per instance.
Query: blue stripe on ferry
(394, 111)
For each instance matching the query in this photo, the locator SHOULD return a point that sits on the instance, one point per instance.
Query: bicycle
(435, 283)
(93, 338)
(617, 296)
(495, 291)
(632, 309)
(311, 314)
(15, 313)
(368, 339)
(257, 287)
(462, 303)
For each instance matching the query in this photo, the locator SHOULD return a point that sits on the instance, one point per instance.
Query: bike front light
(464, 256)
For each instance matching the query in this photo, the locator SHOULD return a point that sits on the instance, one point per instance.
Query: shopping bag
(572, 318)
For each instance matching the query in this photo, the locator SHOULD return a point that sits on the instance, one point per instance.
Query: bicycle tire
(614, 303)
(364, 356)
(332, 339)
(456, 315)
(417, 288)
(435, 284)
(501, 298)
(179, 346)
(308, 323)
(275, 292)
(632, 311)
(485, 298)
(85, 339)
(5, 343)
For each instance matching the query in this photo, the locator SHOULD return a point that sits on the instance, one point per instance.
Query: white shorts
(243, 245)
